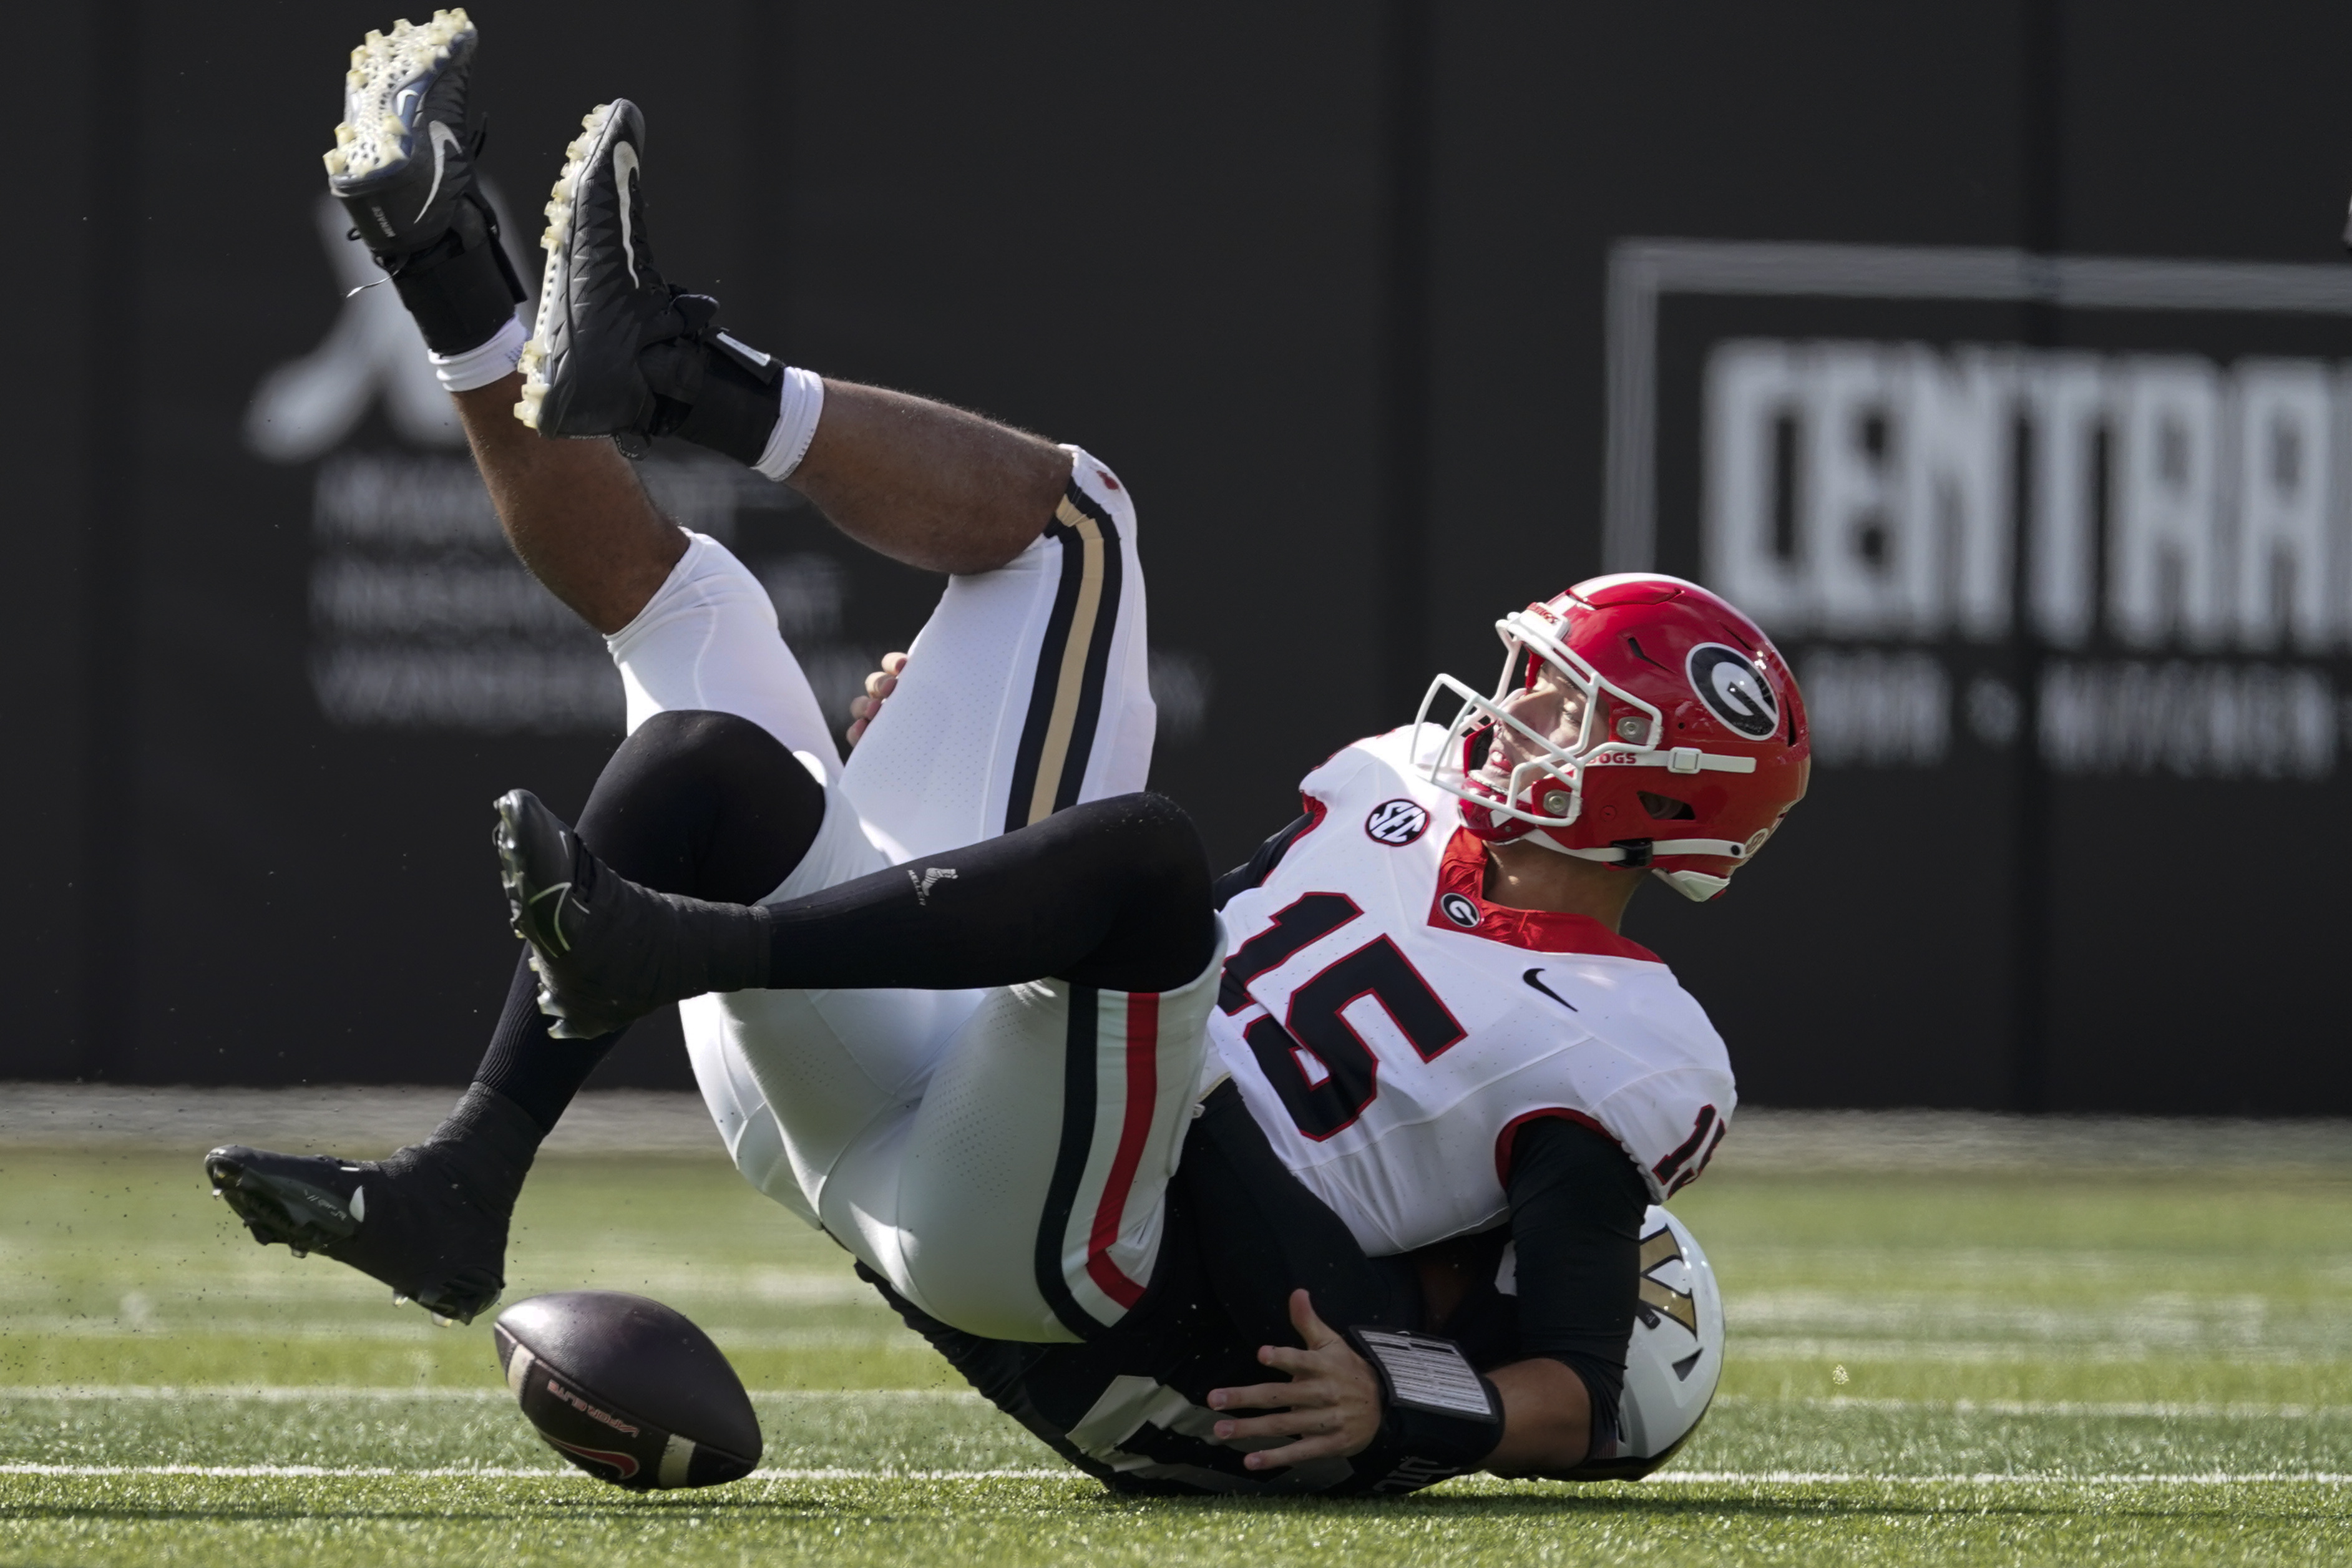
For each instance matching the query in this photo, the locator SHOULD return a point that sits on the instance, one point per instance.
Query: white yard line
(842, 1473)
(272, 1394)
(299, 1394)
(2016, 1353)
(2120, 1410)
(1996, 1478)
(364, 1121)
(297, 1472)
(839, 1473)
(882, 1336)
(508, 1472)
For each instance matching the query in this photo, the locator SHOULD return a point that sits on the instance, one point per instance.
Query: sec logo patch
(1459, 910)
(1396, 823)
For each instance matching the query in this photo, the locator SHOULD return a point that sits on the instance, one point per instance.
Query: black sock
(531, 1067)
(488, 1142)
(1112, 893)
(704, 804)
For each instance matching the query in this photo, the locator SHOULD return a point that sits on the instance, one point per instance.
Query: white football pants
(1000, 1156)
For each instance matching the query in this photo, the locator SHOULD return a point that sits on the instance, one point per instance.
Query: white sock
(804, 399)
(493, 362)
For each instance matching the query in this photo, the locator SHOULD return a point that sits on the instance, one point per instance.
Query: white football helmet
(1676, 1358)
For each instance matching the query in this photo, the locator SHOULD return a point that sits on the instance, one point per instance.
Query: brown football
(628, 1390)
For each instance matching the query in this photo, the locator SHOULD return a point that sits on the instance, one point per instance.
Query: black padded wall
(1393, 317)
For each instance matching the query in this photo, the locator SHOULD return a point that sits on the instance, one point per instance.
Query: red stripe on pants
(1142, 1095)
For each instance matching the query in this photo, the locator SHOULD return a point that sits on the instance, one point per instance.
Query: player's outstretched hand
(864, 710)
(1331, 1404)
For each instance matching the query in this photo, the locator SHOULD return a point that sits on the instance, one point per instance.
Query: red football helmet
(1639, 721)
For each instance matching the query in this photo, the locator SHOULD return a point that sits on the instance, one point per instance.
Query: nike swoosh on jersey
(444, 139)
(1530, 978)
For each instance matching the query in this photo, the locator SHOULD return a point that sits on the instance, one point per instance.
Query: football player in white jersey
(997, 1073)
(1640, 723)
(1412, 983)
(1425, 1006)
(1426, 983)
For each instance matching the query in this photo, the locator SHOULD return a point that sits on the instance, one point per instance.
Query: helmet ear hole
(1664, 809)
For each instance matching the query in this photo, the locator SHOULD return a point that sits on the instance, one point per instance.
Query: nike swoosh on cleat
(444, 139)
(625, 169)
(1530, 978)
(556, 923)
(400, 105)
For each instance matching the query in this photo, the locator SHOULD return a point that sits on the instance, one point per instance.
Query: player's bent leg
(575, 511)
(917, 481)
(619, 351)
(706, 803)
(701, 803)
(1130, 899)
(1028, 691)
(1033, 684)
(793, 1079)
(1113, 895)
(402, 168)
(707, 641)
(790, 1077)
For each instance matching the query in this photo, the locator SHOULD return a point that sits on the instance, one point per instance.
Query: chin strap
(1698, 886)
(1695, 885)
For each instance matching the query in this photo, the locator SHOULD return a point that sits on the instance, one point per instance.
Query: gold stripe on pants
(1075, 648)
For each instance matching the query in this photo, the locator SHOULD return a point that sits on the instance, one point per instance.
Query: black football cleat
(403, 167)
(607, 951)
(430, 1220)
(617, 350)
(402, 157)
(600, 290)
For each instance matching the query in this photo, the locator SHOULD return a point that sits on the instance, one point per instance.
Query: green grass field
(2061, 1366)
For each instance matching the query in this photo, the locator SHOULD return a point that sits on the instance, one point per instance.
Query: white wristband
(493, 362)
(796, 416)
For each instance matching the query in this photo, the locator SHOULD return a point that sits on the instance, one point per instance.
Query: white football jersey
(1392, 1029)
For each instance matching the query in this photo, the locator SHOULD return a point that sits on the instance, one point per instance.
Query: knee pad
(708, 805)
